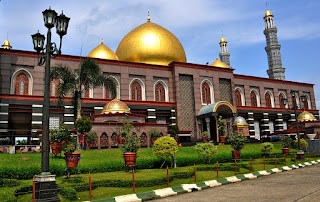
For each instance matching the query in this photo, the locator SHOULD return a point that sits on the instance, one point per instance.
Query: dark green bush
(9, 197)
(9, 182)
(23, 189)
(68, 192)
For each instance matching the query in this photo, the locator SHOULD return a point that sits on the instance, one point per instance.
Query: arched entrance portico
(208, 118)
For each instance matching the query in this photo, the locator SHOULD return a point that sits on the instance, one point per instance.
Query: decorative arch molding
(308, 100)
(271, 97)
(242, 95)
(280, 100)
(17, 73)
(143, 94)
(117, 83)
(211, 91)
(226, 103)
(166, 90)
(257, 96)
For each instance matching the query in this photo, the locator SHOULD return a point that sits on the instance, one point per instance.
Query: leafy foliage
(205, 134)
(60, 134)
(237, 140)
(83, 124)
(206, 151)
(286, 141)
(130, 140)
(221, 126)
(71, 146)
(165, 147)
(266, 148)
(304, 144)
(174, 130)
(22, 142)
(88, 75)
(92, 136)
(154, 133)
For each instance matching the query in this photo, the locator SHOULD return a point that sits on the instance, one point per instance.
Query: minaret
(224, 54)
(275, 71)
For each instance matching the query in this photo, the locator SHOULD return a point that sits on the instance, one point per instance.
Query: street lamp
(61, 22)
(294, 109)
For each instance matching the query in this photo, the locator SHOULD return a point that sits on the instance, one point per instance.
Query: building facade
(152, 77)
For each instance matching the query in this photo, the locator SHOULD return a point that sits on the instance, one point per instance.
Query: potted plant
(266, 149)
(83, 125)
(221, 129)
(154, 134)
(175, 132)
(72, 158)
(92, 137)
(286, 142)
(130, 144)
(236, 141)
(56, 138)
(205, 136)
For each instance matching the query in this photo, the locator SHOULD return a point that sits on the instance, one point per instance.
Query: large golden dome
(115, 106)
(6, 44)
(306, 116)
(220, 64)
(103, 52)
(150, 43)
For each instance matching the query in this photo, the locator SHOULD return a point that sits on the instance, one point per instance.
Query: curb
(185, 188)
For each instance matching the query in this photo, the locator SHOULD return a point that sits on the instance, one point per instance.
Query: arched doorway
(208, 118)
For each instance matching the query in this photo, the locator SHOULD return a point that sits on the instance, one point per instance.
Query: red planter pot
(285, 151)
(205, 139)
(90, 144)
(56, 147)
(222, 138)
(153, 139)
(120, 139)
(130, 158)
(236, 154)
(72, 159)
(82, 138)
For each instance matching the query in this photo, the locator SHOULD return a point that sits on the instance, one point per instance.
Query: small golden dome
(306, 116)
(150, 43)
(103, 52)
(223, 40)
(218, 63)
(6, 44)
(115, 106)
(268, 13)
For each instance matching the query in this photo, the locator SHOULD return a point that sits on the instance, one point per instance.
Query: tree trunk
(174, 162)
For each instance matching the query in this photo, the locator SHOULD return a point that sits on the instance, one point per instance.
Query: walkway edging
(185, 188)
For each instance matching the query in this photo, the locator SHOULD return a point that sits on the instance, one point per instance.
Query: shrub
(165, 147)
(237, 140)
(154, 133)
(92, 136)
(286, 141)
(130, 139)
(68, 192)
(174, 130)
(206, 151)
(83, 124)
(304, 144)
(205, 134)
(56, 135)
(8, 197)
(266, 147)
(221, 126)
(9, 182)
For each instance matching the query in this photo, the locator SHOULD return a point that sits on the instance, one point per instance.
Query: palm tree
(89, 75)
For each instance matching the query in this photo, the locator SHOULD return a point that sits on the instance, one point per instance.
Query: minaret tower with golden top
(275, 71)
(224, 53)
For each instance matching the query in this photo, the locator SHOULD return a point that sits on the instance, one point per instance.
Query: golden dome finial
(268, 13)
(220, 64)
(6, 44)
(101, 41)
(148, 15)
(223, 40)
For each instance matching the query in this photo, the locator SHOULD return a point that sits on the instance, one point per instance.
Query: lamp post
(61, 22)
(294, 108)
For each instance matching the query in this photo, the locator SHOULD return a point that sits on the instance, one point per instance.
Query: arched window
(21, 84)
(206, 94)
(54, 83)
(238, 98)
(160, 93)
(85, 92)
(253, 98)
(268, 100)
(108, 94)
(136, 91)
(281, 101)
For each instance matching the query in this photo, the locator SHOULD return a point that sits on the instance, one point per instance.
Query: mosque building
(154, 80)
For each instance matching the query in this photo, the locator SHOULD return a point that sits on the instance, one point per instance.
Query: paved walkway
(297, 185)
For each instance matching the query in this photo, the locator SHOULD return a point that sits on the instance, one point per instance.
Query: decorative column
(200, 128)
(151, 118)
(265, 125)
(173, 117)
(69, 116)
(4, 121)
(217, 131)
(208, 126)
(279, 122)
(36, 119)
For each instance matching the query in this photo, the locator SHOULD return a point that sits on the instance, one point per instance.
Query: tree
(165, 147)
(88, 75)
(206, 151)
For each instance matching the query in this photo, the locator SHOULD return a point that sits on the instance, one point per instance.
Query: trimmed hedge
(9, 182)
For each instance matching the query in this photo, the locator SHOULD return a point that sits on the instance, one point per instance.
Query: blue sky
(198, 24)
